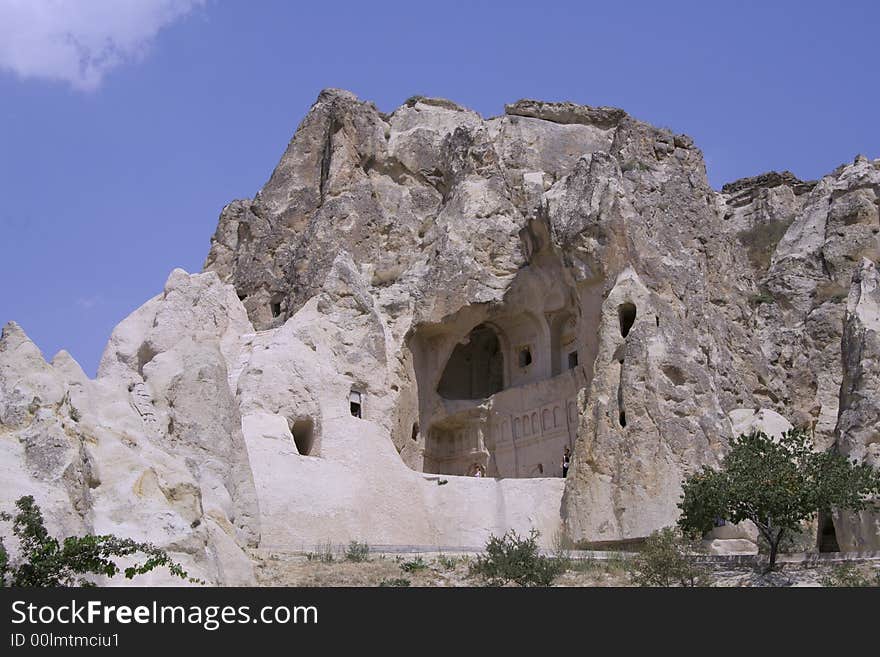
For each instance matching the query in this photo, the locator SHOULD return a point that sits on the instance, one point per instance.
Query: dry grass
(439, 570)
(297, 570)
(452, 571)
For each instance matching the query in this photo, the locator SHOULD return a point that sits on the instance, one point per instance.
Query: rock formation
(424, 295)
(858, 428)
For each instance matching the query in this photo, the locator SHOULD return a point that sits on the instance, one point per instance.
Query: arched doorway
(826, 540)
(475, 369)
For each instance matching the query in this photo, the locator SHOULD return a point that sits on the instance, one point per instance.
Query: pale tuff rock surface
(424, 295)
(152, 448)
(858, 428)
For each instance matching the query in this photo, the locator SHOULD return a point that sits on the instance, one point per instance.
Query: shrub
(413, 566)
(46, 561)
(357, 552)
(396, 581)
(511, 558)
(446, 563)
(666, 560)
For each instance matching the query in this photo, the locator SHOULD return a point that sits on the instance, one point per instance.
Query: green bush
(46, 561)
(446, 563)
(512, 558)
(357, 552)
(413, 566)
(397, 581)
(667, 560)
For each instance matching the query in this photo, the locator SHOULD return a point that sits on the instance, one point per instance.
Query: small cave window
(525, 356)
(626, 314)
(415, 431)
(572, 360)
(354, 400)
(275, 307)
(242, 297)
(303, 436)
(622, 419)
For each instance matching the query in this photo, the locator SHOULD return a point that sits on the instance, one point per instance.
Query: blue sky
(118, 152)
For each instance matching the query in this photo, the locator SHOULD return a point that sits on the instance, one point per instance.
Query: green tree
(777, 484)
(46, 561)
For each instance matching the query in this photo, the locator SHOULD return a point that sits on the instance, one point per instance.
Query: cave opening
(827, 536)
(475, 369)
(354, 402)
(303, 436)
(626, 314)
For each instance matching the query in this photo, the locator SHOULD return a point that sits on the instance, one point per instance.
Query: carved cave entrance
(476, 368)
(826, 540)
(501, 400)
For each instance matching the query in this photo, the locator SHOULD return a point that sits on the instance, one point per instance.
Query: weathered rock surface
(858, 429)
(426, 294)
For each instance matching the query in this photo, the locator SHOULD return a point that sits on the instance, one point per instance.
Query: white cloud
(79, 41)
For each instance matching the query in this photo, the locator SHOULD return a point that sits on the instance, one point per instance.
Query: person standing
(566, 461)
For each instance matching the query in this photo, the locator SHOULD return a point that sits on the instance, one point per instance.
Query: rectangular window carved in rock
(354, 400)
